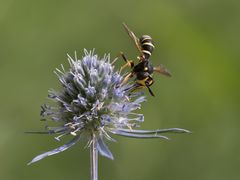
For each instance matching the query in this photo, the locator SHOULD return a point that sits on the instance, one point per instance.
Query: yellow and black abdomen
(147, 45)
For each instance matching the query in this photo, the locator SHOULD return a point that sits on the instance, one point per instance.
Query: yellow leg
(125, 80)
(120, 54)
(129, 63)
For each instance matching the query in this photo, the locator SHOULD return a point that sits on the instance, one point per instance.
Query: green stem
(94, 158)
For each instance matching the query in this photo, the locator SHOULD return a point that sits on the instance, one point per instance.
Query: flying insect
(144, 70)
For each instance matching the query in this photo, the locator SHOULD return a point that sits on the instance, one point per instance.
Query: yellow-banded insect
(144, 69)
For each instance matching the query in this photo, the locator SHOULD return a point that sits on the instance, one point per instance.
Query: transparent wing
(134, 38)
(162, 70)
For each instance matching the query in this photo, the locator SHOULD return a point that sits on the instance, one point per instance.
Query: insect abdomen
(147, 45)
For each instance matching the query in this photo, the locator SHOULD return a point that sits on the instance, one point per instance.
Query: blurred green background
(197, 40)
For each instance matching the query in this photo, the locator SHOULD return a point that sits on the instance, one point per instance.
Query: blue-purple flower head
(94, 102)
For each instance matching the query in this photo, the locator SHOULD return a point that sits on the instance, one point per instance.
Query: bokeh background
(197, 40)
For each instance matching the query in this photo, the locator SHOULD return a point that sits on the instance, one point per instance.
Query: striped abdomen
(147, 45)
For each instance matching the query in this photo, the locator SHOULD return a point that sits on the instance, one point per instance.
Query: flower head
(94, 102)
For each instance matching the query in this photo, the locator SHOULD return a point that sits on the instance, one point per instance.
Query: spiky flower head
(93, 102)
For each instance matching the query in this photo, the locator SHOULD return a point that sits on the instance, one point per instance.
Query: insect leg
(125, 80)
(150, 91)
(129, 63)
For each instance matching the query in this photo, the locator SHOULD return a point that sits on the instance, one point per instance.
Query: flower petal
(103, 149)
(55, 151)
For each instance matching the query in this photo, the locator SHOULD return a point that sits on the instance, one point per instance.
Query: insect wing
(162, 70)
(134, 38)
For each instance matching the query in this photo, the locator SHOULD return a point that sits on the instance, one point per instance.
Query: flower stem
(94, 158)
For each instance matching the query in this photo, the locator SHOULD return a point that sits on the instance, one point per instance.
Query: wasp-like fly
(144, 69)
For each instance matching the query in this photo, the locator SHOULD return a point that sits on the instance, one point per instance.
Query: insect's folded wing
(134, 38)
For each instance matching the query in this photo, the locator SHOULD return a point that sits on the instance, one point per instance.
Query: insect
(143, 71)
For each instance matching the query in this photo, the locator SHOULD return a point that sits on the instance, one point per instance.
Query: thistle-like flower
(94, 103)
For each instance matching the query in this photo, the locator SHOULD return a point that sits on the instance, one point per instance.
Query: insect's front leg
(125, 80)
(128, 63)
